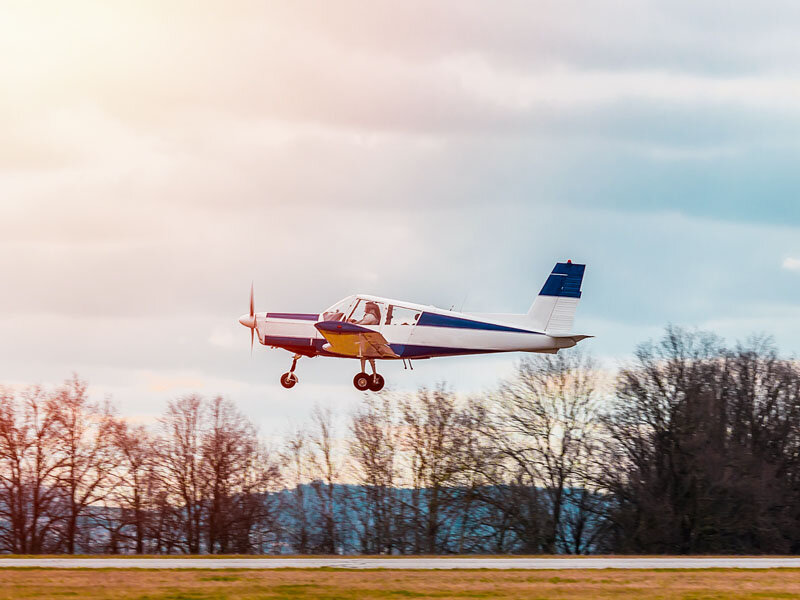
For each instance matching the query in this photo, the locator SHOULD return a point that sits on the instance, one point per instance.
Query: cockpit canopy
(371, 311)
(339, 311)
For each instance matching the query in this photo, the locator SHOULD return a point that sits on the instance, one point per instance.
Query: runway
(502, 563)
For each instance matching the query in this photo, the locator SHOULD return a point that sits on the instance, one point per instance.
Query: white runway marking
(404, 563)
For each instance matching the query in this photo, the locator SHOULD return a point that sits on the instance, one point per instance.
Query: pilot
(372, 315)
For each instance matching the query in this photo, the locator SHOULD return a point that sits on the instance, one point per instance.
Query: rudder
(553, 310)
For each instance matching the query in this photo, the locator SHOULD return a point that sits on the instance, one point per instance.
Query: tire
(288, 380)
(376, 383)
(362, 381)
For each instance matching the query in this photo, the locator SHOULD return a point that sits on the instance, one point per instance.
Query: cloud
(223, 337)
(791, 264)
(453, 68)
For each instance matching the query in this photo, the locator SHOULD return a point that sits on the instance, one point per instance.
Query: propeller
(253, 317)
(250, 320)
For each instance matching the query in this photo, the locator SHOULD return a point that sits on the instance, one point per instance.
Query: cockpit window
(339, 311)
(399, 315)
(367, 312)
(370, 312)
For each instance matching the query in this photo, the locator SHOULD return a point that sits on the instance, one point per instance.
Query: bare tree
(374, 446)
(295, 506)
(549, 411)
(539, 434)
(703, 449)
(432, 429)
(238, 476)
(325, 466)
(181, 467)
(84, 439)
(30, 499)
(136, 485)
(513, 508)
(698, 451)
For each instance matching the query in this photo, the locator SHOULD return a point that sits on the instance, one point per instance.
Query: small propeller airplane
(372, 328)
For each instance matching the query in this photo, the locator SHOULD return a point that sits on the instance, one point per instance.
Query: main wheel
(362, 381)
(288, 380)
(376, 382)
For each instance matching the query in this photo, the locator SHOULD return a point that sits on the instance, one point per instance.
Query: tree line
(695, 448)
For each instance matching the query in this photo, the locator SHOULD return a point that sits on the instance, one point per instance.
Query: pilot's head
(372, 308)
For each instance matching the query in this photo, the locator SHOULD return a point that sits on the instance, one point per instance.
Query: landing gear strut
(364, 382)
(289, 379)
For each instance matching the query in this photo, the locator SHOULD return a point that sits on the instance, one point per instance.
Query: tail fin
(554, 308)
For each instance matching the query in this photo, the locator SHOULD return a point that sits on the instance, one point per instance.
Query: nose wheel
(364, 381)
(289, 379)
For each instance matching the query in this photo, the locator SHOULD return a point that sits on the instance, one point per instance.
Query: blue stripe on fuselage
(313, 347)
(429, 319)
(412, 351)
(342, 327)
(299, 345)
(297, 316)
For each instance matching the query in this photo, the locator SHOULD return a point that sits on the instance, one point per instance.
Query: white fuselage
(436, 332)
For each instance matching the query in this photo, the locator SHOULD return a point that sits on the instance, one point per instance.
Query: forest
(691, 447)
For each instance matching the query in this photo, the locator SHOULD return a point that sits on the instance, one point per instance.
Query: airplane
(370, 328)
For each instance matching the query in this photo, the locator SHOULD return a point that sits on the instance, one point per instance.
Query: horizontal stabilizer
(568, 341)
(575, 338)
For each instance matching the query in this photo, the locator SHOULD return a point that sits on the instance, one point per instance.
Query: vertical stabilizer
(553, 311)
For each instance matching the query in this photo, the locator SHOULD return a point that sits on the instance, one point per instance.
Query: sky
(158, 157)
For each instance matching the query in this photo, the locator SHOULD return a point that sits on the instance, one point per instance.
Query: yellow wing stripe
(359, 345)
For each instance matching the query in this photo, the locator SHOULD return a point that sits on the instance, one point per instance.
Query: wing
(349, 339)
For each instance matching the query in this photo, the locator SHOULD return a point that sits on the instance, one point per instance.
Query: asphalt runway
(406, 563)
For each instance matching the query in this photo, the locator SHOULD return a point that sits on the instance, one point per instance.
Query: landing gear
(376, 385)
(363, 381)
(289, 379)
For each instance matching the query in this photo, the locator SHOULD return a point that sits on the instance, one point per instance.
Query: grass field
(345, 584)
